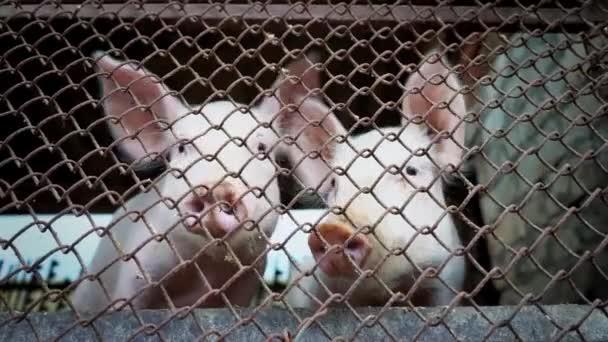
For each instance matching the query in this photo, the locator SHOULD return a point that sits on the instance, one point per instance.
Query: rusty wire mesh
(528, 196)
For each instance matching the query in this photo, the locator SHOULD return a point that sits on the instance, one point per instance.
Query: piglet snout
(218, 212)
(344, 244)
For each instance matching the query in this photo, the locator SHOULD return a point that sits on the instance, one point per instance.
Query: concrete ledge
(466, 323)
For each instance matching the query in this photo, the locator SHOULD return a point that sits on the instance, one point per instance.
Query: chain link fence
(353, 170)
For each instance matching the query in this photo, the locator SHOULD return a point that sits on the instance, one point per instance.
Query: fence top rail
(484, 16)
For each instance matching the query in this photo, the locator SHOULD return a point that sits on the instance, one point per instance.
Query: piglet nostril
(229, 200)
(197, 204)
(358, 249)
(320, 247)
(227, 209)
(317, 246)
(355, 244)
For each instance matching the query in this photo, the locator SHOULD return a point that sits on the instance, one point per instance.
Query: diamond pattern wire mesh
(499, 124)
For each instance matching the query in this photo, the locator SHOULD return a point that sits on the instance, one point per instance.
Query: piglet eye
(261, 147)
(332, 183)
(411, 171)
(181, 148)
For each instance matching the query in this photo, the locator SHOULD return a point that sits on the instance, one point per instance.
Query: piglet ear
(301, 78)
(435, 94)
(300, 113)
(311, 119)
(140, 107)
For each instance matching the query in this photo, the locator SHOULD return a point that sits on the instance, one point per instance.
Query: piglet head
(392, 218)
(219, 177)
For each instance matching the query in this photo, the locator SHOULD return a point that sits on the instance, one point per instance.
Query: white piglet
(202, 227)
(393, 224)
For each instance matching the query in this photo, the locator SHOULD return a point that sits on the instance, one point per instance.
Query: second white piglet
(388, 221)
(201, 228)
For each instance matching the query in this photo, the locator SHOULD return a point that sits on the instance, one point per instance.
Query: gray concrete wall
(465, 323)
